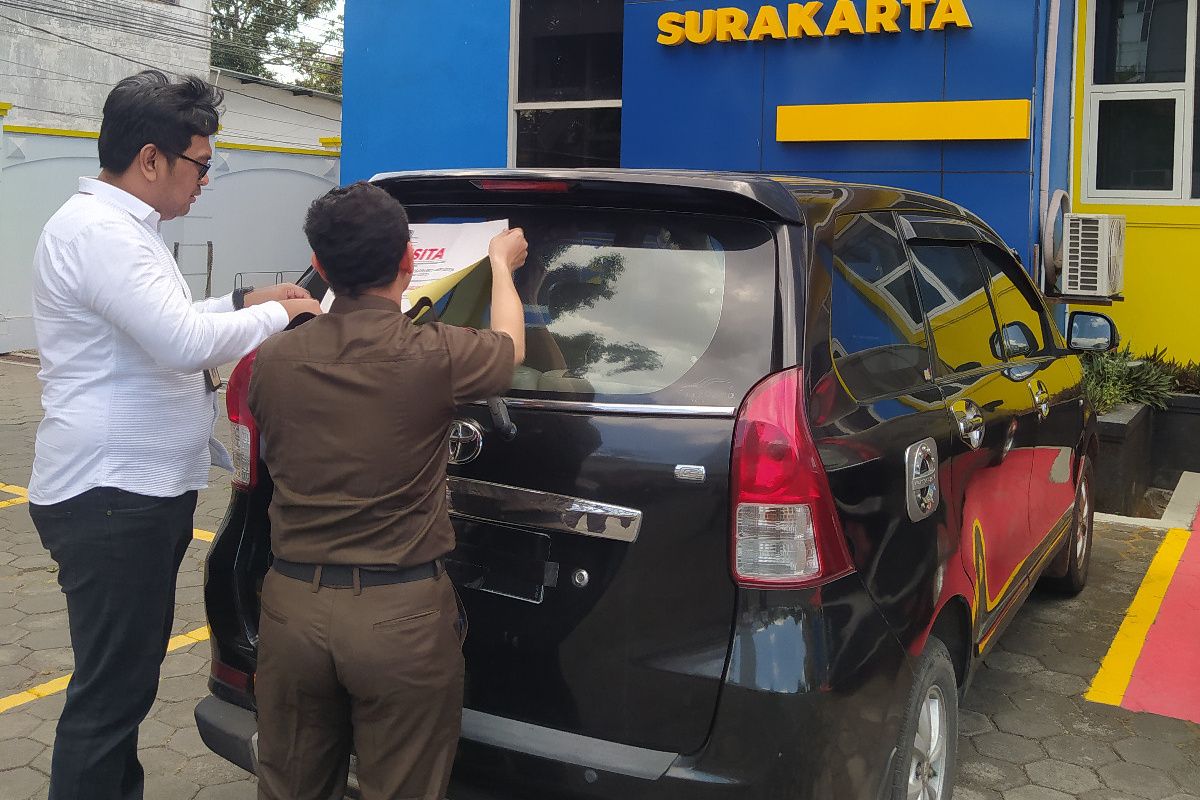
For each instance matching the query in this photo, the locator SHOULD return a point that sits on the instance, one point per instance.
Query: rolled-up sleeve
(128, 284)
(481, 362)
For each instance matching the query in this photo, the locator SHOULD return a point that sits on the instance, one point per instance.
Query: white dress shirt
(123, 349)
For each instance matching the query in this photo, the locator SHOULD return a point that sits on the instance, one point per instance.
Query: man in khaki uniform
(359, 628)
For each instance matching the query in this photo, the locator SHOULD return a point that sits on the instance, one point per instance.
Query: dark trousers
(380, 669)
(118, 556)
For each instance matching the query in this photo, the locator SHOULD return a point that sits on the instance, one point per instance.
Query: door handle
(1041, 399)
(970, 422)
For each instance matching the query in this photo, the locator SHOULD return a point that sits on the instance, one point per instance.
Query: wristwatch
(239, 297)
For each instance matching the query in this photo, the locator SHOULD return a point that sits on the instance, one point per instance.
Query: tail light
(242, 425)
(786, 533)
(230, 677)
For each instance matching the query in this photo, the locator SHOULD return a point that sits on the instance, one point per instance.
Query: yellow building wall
(1162, 249)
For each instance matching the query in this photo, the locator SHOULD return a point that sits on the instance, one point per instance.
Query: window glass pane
(641, 306)
(1135, 145)
(879, 343)
(1141, 41)
(570, 50)
(569, 137)
(1025, 330)
(960, 314)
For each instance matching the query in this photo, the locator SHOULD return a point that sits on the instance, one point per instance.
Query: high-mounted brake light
(510, 185)
(785, 529)
(242, 425)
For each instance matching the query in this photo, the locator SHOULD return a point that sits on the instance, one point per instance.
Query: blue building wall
(424, 87)
(714, 105)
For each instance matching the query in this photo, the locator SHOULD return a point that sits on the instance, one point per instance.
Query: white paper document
(444, 254)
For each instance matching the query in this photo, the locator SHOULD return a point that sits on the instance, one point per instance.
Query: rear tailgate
(593, 548)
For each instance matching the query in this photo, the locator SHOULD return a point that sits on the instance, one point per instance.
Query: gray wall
(251, 211)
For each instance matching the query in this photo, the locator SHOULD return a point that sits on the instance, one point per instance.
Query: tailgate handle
(559, 513)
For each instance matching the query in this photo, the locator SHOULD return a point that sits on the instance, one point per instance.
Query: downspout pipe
(1046, 216)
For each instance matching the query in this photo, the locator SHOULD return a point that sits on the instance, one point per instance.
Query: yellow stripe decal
(1116, 669)
(266, 148)
(952, 120)
(258, 148)
(52, 132)
(204, 536)
(59, 684)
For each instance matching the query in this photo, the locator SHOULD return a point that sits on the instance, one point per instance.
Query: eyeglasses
(203, 165)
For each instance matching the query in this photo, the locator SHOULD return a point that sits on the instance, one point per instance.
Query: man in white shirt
(127, 437)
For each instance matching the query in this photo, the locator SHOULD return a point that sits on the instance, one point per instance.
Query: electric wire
(114, 54)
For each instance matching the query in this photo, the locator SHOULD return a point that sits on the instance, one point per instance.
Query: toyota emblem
(466, 440)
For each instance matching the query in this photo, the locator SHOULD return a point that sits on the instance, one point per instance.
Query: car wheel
(926, 753)
(1079, 540)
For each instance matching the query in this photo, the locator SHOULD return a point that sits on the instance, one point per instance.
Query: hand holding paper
(508, 249)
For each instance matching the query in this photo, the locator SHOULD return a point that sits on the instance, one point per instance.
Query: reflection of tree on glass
(585, 350)
(570, 287)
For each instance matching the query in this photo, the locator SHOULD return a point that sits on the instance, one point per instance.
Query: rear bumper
(229, 731)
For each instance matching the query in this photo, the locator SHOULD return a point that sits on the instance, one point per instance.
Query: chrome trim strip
(514, 505)
(564, 747)
(618, 408)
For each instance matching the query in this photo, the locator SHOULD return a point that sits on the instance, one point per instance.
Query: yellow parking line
(59, 684)
(22, 496)
(1116, 669)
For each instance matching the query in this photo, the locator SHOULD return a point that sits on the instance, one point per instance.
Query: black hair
(147, 108)
(359, 233)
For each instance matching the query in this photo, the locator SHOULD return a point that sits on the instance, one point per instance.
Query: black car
(784, 458)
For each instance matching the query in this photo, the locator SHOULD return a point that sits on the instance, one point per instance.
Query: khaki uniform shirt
(354, 408)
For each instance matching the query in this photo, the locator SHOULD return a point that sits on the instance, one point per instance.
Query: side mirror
(1018, 341)
(1088, 331)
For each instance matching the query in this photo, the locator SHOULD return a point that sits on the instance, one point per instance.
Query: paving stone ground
(1026, 731)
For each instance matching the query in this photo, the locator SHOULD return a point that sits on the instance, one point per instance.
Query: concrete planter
(1122, 468)
(1176, 440)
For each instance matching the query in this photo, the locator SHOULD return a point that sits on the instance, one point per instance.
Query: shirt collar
(121, 199)
(343, 304)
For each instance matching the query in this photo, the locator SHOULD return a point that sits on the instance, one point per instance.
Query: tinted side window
(953, 292)
(1025, 329)
(878, 334)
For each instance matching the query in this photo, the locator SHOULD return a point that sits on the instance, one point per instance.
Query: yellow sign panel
(945, 120)
(807, 20)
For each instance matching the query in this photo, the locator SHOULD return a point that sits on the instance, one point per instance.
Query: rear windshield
(633, 307)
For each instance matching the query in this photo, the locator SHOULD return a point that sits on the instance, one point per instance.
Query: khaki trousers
(381, 669)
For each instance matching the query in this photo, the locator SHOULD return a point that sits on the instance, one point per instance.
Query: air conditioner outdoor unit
(1094, 254)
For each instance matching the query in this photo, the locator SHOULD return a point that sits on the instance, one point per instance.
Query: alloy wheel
(927, 773)
(1082, 525)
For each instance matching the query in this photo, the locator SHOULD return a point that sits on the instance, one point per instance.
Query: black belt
(345, 576)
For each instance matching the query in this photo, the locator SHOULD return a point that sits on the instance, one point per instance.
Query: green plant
(1186, 376)
(1113, 378)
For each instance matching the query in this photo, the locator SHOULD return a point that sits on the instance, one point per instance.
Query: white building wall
(252, 212)
(57, 68)
(274, 115)
(254, 205)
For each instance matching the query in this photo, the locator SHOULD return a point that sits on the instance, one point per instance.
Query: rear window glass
(657, 308)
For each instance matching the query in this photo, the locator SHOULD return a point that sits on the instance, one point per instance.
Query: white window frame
(1183, 93)
(515, 107)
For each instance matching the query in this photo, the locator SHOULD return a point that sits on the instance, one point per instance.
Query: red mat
(1166, 679)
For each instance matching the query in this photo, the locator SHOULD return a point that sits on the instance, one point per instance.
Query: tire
(1079, 540)
(922, 771)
